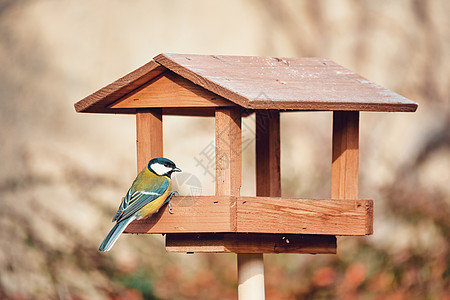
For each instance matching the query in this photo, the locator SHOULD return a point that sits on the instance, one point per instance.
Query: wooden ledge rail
(260, 215)
(251, 243)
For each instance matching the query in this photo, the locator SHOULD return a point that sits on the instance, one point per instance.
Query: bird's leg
(168, 200)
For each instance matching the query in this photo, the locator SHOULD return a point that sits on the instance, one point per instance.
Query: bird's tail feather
(114, 234)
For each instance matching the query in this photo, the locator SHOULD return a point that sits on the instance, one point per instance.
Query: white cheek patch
(160, 169)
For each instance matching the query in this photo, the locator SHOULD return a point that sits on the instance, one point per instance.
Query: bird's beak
(176, 170)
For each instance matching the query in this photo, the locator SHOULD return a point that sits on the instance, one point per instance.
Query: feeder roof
(258, 83)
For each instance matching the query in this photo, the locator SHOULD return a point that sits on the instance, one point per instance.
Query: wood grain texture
(304, 216)
(98, 102)
(260, 215)
(268, 174)
(259, 83)
(345, 155)
(285, 83)
(345, 160)
(170, 90)
(149, 136)
(190, 214)
(251, 243)
(228, 138)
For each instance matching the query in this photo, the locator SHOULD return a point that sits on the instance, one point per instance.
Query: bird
(148, 193)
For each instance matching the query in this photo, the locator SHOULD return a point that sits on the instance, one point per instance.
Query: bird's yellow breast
(155, 205)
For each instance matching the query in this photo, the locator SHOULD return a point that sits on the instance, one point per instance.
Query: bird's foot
(170, 198)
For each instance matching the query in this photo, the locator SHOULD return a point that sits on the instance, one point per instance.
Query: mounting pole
(250, 276)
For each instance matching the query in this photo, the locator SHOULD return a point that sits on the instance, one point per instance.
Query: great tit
(148, 193)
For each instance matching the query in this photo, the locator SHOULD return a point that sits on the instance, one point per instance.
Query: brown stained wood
(345, 155)
(285, 83)
(170, 90)
(190, 214)
(251, 243)
(189, 111)
(228, 138)
(98, 102)
(197, 111)
(260, 215)
(259, 83)
(304, 216)
(276, 217)
(268, 176)
(196, 243)
(149, 136)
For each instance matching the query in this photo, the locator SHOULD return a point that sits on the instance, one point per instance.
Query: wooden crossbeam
(260, 215)
(251, 243)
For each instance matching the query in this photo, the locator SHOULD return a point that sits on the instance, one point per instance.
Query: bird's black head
(162, 166)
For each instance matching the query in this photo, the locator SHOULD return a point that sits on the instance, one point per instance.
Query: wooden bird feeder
(228, 88)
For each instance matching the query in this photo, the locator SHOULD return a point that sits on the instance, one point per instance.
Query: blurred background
(63, 174)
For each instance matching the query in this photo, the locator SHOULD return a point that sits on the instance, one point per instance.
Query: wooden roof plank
(189, 72)
(259, 83)
(285, 83)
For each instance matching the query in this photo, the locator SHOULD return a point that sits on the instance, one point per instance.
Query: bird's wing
(139, 199)
(123, 205)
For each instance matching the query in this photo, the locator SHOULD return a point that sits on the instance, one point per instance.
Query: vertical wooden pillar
(228, 151)
(149, 136)
(344, 169)
(268, 183)
(268, 175)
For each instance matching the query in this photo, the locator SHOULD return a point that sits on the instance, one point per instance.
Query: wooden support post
(268, 183)
(149, 136)
(268, 175)
(228, 151)
(345, 165)
(344, 169)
